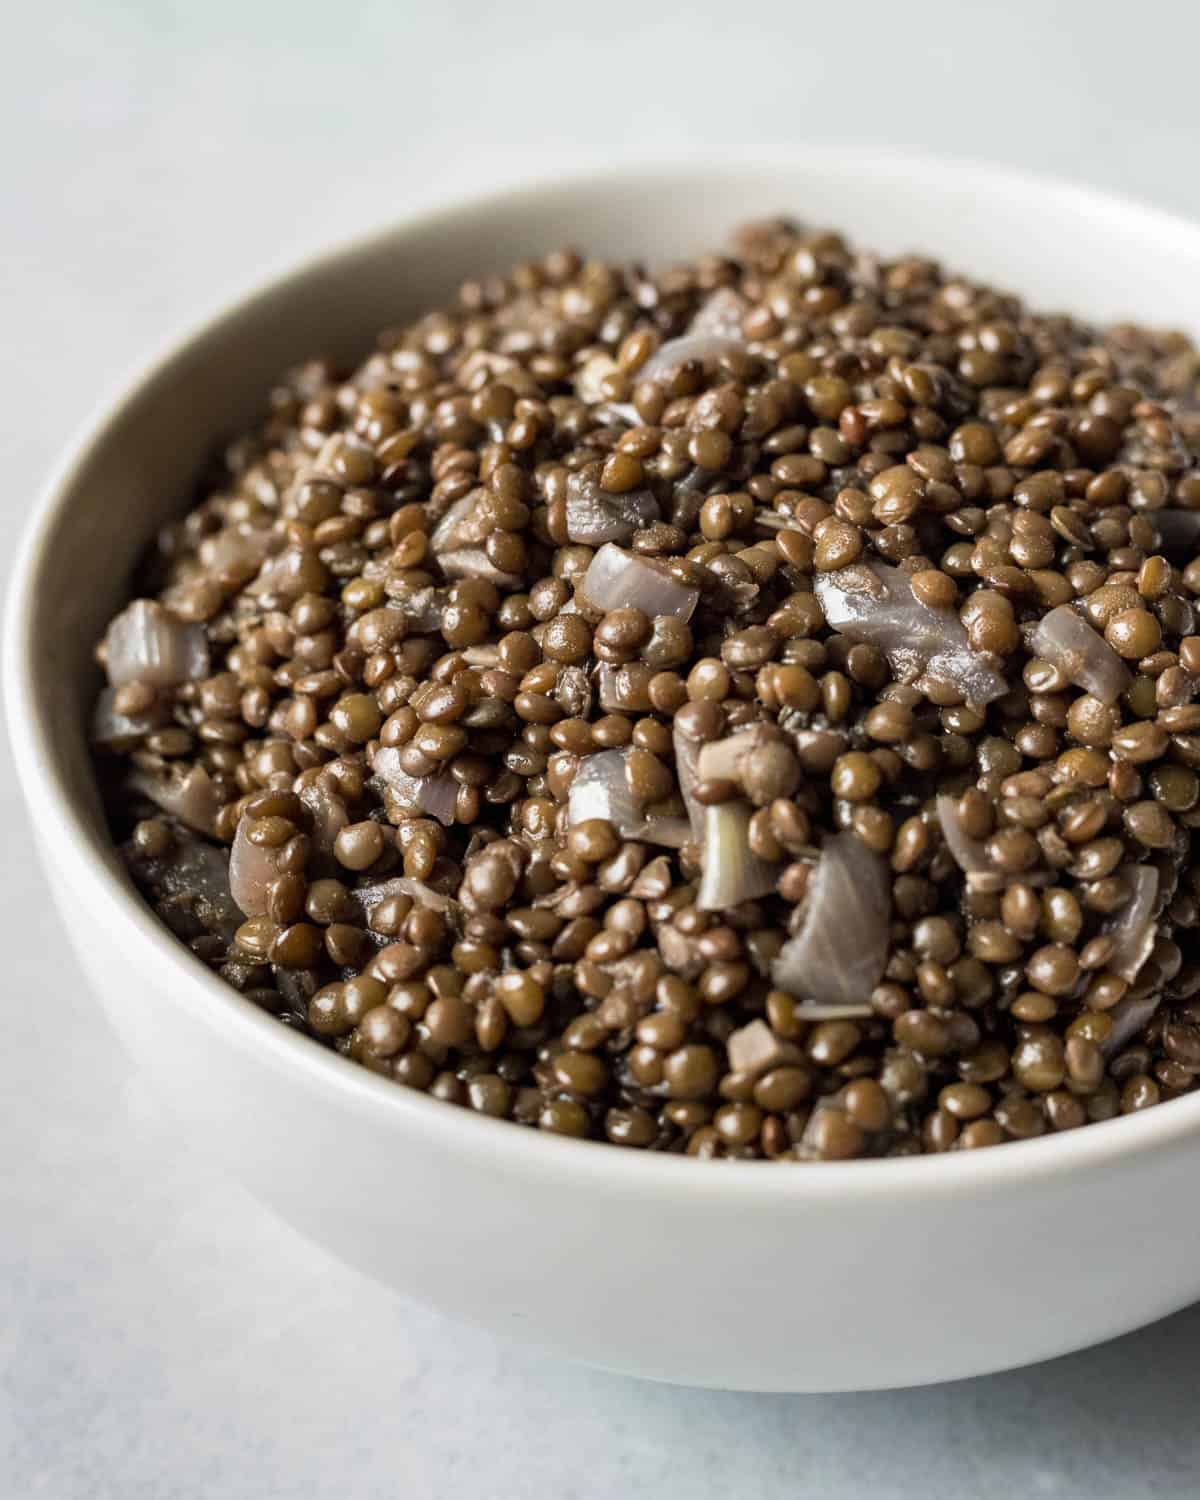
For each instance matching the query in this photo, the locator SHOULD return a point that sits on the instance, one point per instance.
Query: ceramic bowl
(744, 1275)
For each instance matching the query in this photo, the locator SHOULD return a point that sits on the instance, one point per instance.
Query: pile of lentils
(750, 710)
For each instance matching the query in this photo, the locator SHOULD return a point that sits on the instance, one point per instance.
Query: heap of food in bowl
(748, 710)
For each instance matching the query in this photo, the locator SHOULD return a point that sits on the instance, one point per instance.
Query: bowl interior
(1057, 246)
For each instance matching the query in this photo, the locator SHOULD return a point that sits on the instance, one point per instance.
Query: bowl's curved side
(794, 1292)
(866, 1274)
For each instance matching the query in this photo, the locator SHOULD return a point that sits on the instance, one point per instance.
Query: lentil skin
(405, 676)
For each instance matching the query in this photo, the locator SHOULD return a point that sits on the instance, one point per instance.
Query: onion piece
(875, 603)
(721, 315)
(594, 516)
(970, 854)
(110, 730)
(436, 795)
(732, 872)
(814, 1010)
(193, 797)
(669, 832)
(704, 348)
(1129, 1017)
(465, 524)
(601, 790)
(839, 954)
(328, 812)
(253, 868)
(367, 897)
(687, 773)
(1133, 929)
(423, 609)
(1067, 641)
(237, 552)
(618, 691)
(754, 1048)
(622, 580)
(147, 643)
(721, 760)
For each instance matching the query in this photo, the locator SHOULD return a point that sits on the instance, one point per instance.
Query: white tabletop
(161, 1336)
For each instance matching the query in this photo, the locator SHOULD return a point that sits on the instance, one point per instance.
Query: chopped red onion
(284, 574)
(594, 516)
(457, 543)
(193, 798)
(252, 870)
(704, 348)
(721, 315)
(237, 551)
(669, 832)
(970, 854)
(473, 562)
(436, 795)
(838, 956)
(368, 897)
(1129, 1017)
(875, 603)
(328, 812)
(465, 524)
(1133, 929)
(115, 731)
(814, 1010)
(589, 378)
(754, 1048)
(147, 643)
(715, 331)
(424, 608)
(622, 580)
(732, 872)
(617, 691)
(721, 760)
(687, 773)
(1066, 640)
(601, 790)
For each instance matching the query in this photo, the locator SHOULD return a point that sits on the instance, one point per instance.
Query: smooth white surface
(164, 1337)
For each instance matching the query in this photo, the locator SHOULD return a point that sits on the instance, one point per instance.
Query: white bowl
(746, 1275)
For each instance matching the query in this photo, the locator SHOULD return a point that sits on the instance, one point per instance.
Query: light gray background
(160, 1335)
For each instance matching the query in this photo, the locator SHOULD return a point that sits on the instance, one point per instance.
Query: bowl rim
(61, 832)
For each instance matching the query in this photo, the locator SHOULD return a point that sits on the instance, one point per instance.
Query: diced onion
(874, 603)
(704, 348)
(328, 812)
(1085, 658)
(601, 790)
(755, 1048)
(594, 516)
(687, 773)
(1133, 929)
(621, 580)
(838, 956)
(435, 795)
(147, 643)
(1129, 1017)
(970, 854)
(722, 315)
(732, 872)
(253, 868)
(115, 731)
(192, 797)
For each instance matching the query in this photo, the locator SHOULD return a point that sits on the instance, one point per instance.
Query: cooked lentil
(835, 495)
